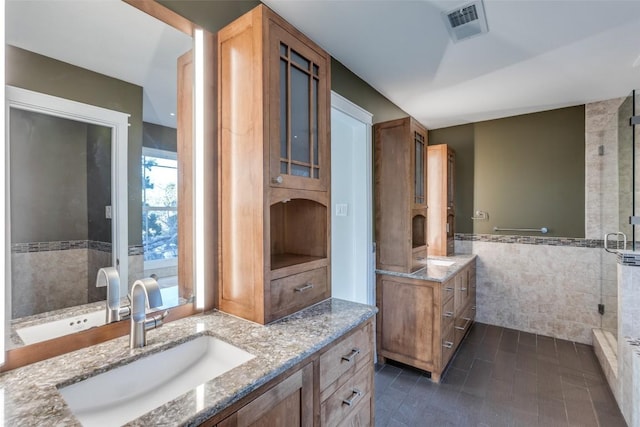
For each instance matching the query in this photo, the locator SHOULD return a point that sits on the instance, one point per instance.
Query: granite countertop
(434, 272)
(31, 396)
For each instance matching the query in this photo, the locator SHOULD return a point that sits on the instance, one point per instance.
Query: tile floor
(501, 377)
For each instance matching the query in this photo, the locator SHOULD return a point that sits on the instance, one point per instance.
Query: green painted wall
(528, 172)
(39, 73)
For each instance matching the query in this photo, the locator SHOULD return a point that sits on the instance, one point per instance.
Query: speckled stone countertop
(434, 272)
(31, 395)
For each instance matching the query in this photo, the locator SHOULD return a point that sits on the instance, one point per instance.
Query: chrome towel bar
(543, 230)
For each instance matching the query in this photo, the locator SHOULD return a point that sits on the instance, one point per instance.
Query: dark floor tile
(589, 361)
(382, 417)
(504, 365)
(580, 411)
(488, 349)
(509, 341)
(434, 417)
(547, 368)
(602, 397)
(572, 377)
(500, 392)
(378, 366)
(523, 419)
(546, 346)
(607, 417)
(478, 378)
(527, 339)
(476, 332)
(493, 331)
(550, 387)
(464, 357)
(395, 423)
(454, 377)
(470, 408)
(525, 392)
(495, 415)
(390, 401)
(567, 356)
(527, 361)
(406, 380)
(551, 413)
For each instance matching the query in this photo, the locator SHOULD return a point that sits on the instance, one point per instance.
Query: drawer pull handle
(349, 357)
(354, 395)
(304, 288)
(277, 180)
(448, 314)
(448, 289)
(460, 328)
(447, 344)
(473, 308)
(463, 289)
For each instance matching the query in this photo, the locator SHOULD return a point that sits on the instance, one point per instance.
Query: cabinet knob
(277, 180)
(447, 344)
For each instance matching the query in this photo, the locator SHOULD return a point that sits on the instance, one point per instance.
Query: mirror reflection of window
(160, 212)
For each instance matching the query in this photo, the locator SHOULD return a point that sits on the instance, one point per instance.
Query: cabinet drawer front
(351, 353)
(448, 315)
(448, 290)
(463, 323)
(293, 293)
(448, 346)
(360, 416)
(344, 401)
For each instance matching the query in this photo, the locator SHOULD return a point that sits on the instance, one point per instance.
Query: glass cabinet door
(299, 152)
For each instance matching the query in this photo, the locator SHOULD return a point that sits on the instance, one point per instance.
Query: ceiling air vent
(466, 21)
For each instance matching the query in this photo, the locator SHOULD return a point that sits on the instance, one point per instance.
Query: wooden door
(289, 403)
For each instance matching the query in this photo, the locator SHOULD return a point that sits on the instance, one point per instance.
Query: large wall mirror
(65, 175)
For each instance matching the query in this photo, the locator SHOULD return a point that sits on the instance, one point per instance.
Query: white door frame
(345, 106)
(118, 122)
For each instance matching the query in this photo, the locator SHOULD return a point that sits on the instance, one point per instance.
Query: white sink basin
(440, 262)
(58, 328)
(127, 392)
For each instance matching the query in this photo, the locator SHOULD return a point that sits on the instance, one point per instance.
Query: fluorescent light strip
(199, 166)
(3, 241)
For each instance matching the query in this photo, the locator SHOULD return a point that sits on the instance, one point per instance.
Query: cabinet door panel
(289, 403)
(299, 109)
(408, 320)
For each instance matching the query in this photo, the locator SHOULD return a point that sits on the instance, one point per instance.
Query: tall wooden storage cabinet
(273, 166)
(401, 194)
(442, 210)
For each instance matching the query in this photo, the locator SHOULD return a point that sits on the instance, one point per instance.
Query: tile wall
(552, 286)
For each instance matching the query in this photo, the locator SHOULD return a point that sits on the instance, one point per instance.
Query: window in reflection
(159, 208)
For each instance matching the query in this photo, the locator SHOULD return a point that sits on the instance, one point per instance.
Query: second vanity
(319, 360)
(425, 315)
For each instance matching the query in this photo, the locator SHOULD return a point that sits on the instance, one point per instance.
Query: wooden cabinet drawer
(345, 358)
(448, 346)
(345, 401)
(360, 416)
(448, 290)
(448, 314)
(463, 323)
(292, 293)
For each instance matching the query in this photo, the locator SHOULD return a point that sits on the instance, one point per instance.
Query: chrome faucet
(144, 293)
(109, 277)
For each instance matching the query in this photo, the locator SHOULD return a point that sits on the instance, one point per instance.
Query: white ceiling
(108, 37)
(538, 54)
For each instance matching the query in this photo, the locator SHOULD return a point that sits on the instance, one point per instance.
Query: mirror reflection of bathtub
(64, 210)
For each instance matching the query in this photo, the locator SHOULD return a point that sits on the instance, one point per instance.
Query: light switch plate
(107, 212)
(342, 209)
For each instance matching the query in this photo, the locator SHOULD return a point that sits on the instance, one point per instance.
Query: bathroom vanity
(314, 360)
(425, 315)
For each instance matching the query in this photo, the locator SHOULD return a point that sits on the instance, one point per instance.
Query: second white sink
(440, 262)
(127, 392)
